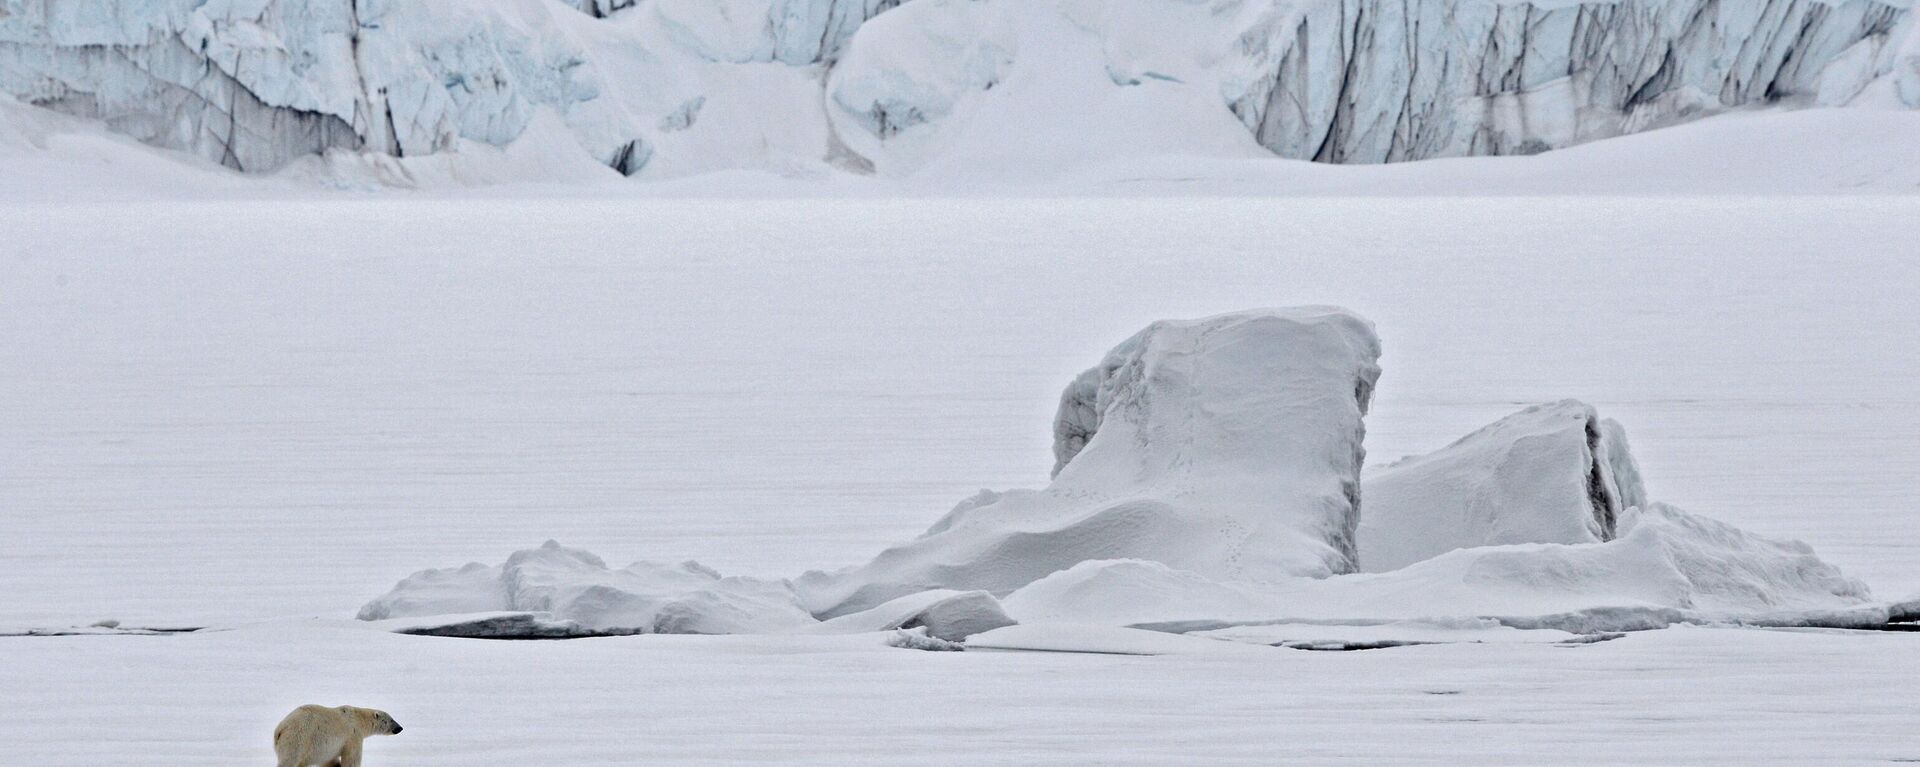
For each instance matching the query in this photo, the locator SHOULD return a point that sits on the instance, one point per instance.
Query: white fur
(318, 736)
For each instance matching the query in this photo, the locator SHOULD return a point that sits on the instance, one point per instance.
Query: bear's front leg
(349, 754)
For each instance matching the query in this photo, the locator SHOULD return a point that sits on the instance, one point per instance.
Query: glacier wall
(1390, 80)
(673, 87)
(254, 84)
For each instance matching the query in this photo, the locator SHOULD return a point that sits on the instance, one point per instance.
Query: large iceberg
(1208, 479)
(1229, 446)
(1555, 473)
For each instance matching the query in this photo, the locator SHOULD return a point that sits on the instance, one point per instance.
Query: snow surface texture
(1229, 445)
(1706, 696)
(1549, 474)
(573, 593)
(672, 87)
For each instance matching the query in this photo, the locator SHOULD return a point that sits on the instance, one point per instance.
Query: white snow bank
(573, 585)
(1551, 473)
(1666, 567)
(1228, 446)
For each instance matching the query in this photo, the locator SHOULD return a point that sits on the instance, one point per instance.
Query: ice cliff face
(682, 86)
(254, 84)
(1384, 80)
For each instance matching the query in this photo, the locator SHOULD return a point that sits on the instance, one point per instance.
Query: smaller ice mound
(943, 614)
(919, 639)
(570, 586)
(1227, 446)
(1552, 473)
(1905, 611)
(509, 625)
(1666, 567)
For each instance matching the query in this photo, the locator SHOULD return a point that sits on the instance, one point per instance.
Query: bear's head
(373, 721)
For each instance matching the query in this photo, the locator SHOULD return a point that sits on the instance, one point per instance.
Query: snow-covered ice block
(1666, 567)
(1228, 446)
(904, 72)
(944, 614)
(573, 585)
(1552, 473)
(1906, 610)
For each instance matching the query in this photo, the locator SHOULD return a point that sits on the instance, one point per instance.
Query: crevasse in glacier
(1380, 81)
(255, 83)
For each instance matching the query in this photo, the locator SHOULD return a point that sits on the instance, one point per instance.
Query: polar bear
(317, 736)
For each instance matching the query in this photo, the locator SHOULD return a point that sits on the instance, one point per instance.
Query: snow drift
(1666, 567)
(670, 87)
(1228, 445)
(1553, 473)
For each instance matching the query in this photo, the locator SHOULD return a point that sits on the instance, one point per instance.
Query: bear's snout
(397, 728)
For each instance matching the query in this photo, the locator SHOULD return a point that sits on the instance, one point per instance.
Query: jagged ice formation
(1386, 80)
(255, 84)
